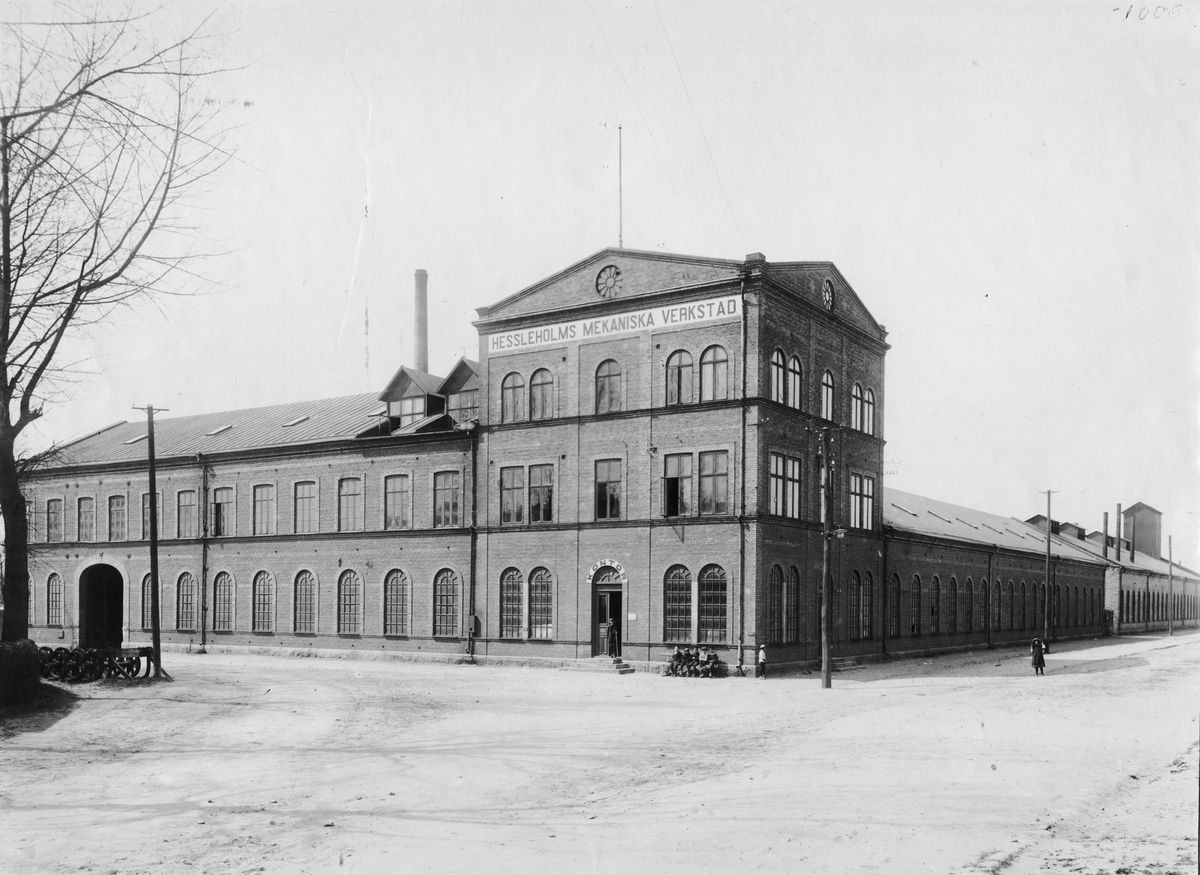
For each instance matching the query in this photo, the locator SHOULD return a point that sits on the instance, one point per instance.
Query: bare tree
(105, 129)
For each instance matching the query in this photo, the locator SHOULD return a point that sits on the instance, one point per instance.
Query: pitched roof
(302, 422)
(406, 377)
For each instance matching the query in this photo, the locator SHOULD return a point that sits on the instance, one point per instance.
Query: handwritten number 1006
(1158, 12)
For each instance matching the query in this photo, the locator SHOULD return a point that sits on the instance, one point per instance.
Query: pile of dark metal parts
(76, 664)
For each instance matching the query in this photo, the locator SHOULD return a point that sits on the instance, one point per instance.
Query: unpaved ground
(963, 764)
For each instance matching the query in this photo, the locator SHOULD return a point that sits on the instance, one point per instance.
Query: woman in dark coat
(1039, 658)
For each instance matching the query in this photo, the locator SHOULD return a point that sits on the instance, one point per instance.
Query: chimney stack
(1119, 518)
(1106, 534)
(422, 321)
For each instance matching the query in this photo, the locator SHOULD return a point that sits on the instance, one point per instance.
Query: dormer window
(464, 406)
(409, 410)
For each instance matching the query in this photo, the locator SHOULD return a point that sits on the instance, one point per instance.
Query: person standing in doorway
(1039, 657)
(762, 662)
(612, 638)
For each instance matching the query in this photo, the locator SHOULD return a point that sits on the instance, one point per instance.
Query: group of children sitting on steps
(693, 662)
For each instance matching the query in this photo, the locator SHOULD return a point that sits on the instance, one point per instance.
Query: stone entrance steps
(606, 664)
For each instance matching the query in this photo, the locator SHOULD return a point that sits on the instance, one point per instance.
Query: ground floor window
(445, 604)
(541, 604)
(349, 603)
(395, 603)
(713, 597)
(791, 599)
(894, 607)
(677, 605)
(775, 605)
(264, 603)
(185, 602)
(305, 602)
(223, 603)
(511, 592)
(147, 602)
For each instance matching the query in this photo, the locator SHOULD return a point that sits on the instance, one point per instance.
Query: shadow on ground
(49, 705)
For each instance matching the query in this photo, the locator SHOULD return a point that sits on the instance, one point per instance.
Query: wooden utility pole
(1046, 618)
(155, 627)
(1170, 589)
(826, 594)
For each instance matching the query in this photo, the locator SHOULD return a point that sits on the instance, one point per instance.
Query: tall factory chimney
(422, 321)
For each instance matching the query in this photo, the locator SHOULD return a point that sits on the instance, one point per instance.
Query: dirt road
(963, 764)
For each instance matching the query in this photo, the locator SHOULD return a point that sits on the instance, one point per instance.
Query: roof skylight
(903, 508)
(939, 516)
(140, 437)
(296, 421)
(217, 431)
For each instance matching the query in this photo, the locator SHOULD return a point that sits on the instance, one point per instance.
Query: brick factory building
(637, 444)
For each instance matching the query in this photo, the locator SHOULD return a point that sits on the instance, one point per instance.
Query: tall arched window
(852, 617)
(775, 606)
(304, 603)
(223, 602)
(714, 374)
(541, 604)
(677, 605)
(512, 591)
(981, 606)
(185, 602)
(935, 605)
(894, 607)
(915, 600)
(1023, 617)
(147, 602)
(512, 398)
(608, 387)
(349, 603)
(679, 378)
(396, 601)
(856, 407)
(969, 613)
(827, 395)
(445, 604)
(952, 608)
(865, 601)
(541, 395)
(264, 603)
(868, 417)
(795, 384)
(791, 599)
(996, 590)
(778, 380)
(713, 601)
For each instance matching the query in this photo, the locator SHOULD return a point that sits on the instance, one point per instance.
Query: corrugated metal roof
(927, 516)
(1141, 561)
(328, 419)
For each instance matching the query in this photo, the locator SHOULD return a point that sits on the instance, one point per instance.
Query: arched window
(541, 604)
(827, 395)
(349, 603)
(677, 604)
(714, 374)
(445, 604)
(853, 626)
(856, 407)
(1023, 617)
(795, 384)
(54, 600)
(679, 378)
(512, 588)
(713, 602)
(996, 590)
(147, 602)
(868, 417)
(541, 395)
(865, 605)
(396, 601)
(304, 603)
(775, 606)
(608, 387)
(791, 599)
(981, 606)
(894, 607)
(935, 605)
(223, 602)
(1011, 606)
(952, 608)
(778, 380)
(264, 603)
(915, 599)
(512, 398)
(185, 602)
(969, 613)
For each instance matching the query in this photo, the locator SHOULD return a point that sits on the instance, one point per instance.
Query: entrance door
(100, 590)
(606, 609)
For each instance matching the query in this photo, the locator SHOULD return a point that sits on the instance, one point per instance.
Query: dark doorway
(606, 609)
(100, 603)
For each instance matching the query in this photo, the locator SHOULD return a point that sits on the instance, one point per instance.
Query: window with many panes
(185, 514)
(792, 488)
(608, 387)
(791, 600)
(775, 605)
(855, 593)
(512, 591)
(396, 502)
(795, 384)
(146, 514)
(952, 607)
(541, 395)
(677, 604)
(866, 589)
(411, 410)
(714, 374)
(868, 412)
(264, 509)
(778, 496)
(541, 604)
(679, 378)
(914, 599)
(827, 395)
(713, 605)
(894, 607)
(185, 602)
(349, 603)
(778, 378)
(223, 603)
(54, 519)
(54, 600)
(304, 515)
(541, 493)
(350, 505)
(445, 604)
(512, 398)
(395, 603)
(677, 485)
(464, 406)
(147, 602)
(86, 516)
(116, 518)
(856, 401)
(714, 482)
(608, 489)
(263, 596)
(862, 501)
(935, 606)
(222, 512)
(445, 498)
(304, 603)
(512, 495)
(31, 613)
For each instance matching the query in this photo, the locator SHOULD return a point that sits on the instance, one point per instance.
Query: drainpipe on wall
(474, 433)
(742, 512)
(987, 596)
(202, 510)
(886, 587)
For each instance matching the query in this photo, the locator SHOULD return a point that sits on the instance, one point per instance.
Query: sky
(1011, 188)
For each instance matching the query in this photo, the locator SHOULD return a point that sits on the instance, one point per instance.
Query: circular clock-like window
(827, 295)
(608, 281)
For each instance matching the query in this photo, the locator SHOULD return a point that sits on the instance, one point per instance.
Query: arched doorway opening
(100, 606)
(607, 590)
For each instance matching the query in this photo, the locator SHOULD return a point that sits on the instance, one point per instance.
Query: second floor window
(445, 498)
(778, 496)
(679, 378)
(222, 512)
(608, 387)
(512, 495)
(264, 509)
(541, 493)
(87, 519)
(714, 374)
(54, 519)
(305, 517)
(795, 381)
(541, 395)
(778, 381)
(396, 502)
(350, 505)
(608, 489)
(185, 514)
(411, 410)
(677, 485)
(116, 518)
(792, 488)
(714, 482)
(464, 406)
(512, 398)
(862, 501)
(827, 395)
(146, 514)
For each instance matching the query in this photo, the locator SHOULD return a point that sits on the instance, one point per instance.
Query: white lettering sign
(674, 316)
